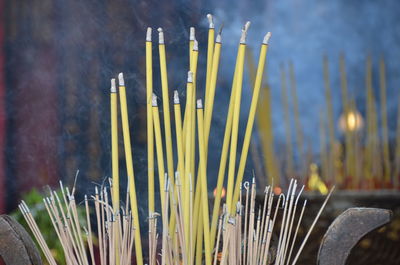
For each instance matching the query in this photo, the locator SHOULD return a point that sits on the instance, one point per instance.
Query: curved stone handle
(346, 230)
(16, 246)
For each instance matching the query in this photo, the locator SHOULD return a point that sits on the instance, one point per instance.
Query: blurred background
(328, 112)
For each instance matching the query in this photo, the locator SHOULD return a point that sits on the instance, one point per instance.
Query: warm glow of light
(222, 193)
(277, 190)
(352, 121)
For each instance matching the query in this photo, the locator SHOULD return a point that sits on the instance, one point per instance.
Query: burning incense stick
(129, 167)
(150, 134)
(114, 143)
(252, 113)
(235, 123)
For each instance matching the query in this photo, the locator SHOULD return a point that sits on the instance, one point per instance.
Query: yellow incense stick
(331, 127)
(264, 120)
(289, 148)
(235, 124)
(324, 156)
(370, 137)
(203, 176)
(150, 134)
(209, 104)
(159, 147)
(297, 123)
(346, 109)
(166, 112)
(114, 145)
(250, 121)
(385, 136)
(197, 196)
(114, 153)
(178, 128)
(188, 173)
(129, 167)
(210, 51)
(224, 157)
(207, 125)
(192, 38)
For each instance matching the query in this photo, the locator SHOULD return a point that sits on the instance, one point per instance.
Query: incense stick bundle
(243, 234)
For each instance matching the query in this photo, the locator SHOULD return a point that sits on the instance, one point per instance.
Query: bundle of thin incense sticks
(355, 147)
(190, 233)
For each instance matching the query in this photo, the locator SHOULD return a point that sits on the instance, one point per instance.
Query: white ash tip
(154, 100)
(244, 32)
(148, 34)
(96, 190)
(210, 21)
(267, 37)
(176, 97)
(160, 36)
(219, 38)
(247, 25)
(192, 34)
(195, 45)
(190, 77)
(113, 86)
(85, 197)
(199, 104)
(121, 80)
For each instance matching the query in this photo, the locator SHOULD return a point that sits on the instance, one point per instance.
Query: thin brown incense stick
(251, 224)
(90, 242)
(291, 223)
(165, 222)
(218, 240)
(296, 231)
(246, 187)
(99, 233)
(312, 226)
(385, 136)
